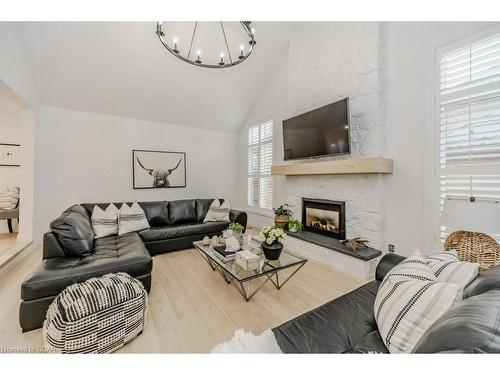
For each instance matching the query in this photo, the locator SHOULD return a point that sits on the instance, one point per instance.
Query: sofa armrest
(51, 247)
(239, 217)
(387, 262)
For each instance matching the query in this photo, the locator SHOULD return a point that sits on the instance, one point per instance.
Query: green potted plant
(295, 226)
(236, 228)
(282, 216)
(273, 242)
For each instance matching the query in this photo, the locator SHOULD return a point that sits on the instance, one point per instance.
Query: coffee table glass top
(286, 260)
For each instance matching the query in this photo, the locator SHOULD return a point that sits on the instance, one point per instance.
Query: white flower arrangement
(272, 235)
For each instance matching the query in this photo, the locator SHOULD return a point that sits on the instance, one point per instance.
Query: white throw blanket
(247, 342)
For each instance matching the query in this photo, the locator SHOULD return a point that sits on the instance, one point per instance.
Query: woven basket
(475, 248)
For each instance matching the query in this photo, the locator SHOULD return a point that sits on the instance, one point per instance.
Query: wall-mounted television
(321, 132)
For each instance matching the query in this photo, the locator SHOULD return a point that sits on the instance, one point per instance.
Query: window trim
(257, 209)
(439, 52)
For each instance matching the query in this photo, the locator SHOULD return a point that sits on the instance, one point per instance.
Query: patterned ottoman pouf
(97, 316)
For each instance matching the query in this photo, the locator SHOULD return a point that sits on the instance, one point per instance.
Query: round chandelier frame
(194, 57)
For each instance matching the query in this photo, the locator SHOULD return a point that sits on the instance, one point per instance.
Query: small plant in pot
(236, 228)
(282, 216)
(273, 242)
(295, 226)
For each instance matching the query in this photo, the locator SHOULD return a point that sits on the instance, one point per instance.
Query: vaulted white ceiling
(120, 68)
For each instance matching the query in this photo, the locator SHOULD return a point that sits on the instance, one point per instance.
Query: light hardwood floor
(10, 247)
(191, 308)
(7, 240)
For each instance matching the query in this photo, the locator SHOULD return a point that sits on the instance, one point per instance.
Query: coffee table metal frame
(268, 270)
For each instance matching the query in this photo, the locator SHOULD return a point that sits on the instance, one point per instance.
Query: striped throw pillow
(448, 267)
(131, 219)
(218, 212)
(105, 222)
(409, 300)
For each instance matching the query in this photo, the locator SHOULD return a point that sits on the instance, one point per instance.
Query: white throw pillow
(131, 219)
(105, 223)
(448, 267)
(9, 198)
(409, 300)
(218, 212)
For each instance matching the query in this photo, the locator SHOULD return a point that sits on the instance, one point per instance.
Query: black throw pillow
(469, 326)
(74, 231)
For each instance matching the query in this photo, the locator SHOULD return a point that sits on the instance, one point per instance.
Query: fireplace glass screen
(325, 220)
(324, 217)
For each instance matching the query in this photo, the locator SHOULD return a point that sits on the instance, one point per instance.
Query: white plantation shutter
(469, 120)
(260, 158)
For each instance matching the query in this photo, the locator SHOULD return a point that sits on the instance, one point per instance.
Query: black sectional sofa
(72, 255)
(347, 324)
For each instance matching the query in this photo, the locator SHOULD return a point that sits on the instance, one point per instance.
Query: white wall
(409, 76)
(16, 79)
(391, 69)
(14, 67)
(87, 157)
(271, 105)
(328, 62)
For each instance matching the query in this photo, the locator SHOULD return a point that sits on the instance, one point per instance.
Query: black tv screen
(320, 132)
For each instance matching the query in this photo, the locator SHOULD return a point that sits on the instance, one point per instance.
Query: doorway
(16, 154)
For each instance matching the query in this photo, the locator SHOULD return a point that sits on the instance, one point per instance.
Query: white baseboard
(24, 236)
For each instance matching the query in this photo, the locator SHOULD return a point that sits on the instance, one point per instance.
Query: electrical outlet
(391, 248)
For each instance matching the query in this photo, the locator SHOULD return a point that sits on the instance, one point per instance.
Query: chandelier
(226, 44)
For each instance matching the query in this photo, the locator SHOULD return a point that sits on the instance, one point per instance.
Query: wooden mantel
(345, 166)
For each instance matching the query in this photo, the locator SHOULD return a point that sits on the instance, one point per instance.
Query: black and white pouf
(99, 315)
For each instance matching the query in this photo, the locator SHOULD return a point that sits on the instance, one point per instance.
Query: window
(260, 158)
(469, 120)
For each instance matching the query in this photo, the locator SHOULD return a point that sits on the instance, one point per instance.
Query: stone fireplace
(324, 217)
(325, 225)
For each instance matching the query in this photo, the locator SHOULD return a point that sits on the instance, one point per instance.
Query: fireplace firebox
(324, 217)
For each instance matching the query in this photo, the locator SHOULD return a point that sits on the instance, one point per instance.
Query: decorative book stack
(221, 253)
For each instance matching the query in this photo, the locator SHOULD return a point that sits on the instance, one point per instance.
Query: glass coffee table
(241, 278)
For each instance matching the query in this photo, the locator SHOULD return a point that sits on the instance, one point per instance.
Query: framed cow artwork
(158, 169)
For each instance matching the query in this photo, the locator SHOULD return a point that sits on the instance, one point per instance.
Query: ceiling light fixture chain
(225, 40)
(192, 38)
(174, 49)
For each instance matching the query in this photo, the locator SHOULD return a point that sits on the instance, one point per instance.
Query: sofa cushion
(335, 327)
(202, 206)
(156, 213)
(78, 208)
(74, 231)
(125, 253)
(470, 326)
(184, 230)
(182, 211)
